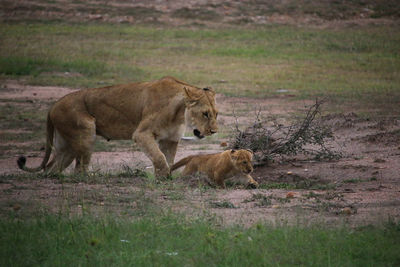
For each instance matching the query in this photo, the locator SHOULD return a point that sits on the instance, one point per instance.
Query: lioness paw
(162, 173)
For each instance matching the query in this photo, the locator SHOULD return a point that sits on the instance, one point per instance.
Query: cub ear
(191, 96)
(251, 151)
(233, 154)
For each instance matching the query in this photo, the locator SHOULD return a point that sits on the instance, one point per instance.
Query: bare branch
(306, 136)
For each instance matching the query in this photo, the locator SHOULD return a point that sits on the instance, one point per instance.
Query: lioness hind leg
(60, 163)
(82, 162)
(83, 147)
(62, 156)
(79, 138)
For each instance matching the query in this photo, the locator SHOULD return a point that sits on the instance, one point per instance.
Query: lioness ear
(191, 96)
(210, 90)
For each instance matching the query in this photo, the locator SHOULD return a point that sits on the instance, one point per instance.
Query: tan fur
(153, 114)
(221, 166)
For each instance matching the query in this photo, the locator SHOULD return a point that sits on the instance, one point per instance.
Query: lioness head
(242, 160)
(201, 113)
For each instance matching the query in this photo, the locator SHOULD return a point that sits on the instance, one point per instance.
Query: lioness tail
(49, 143)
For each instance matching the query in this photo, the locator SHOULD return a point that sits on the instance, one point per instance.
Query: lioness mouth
(198, 134)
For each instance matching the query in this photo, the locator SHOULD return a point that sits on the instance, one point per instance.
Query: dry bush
(306, 136)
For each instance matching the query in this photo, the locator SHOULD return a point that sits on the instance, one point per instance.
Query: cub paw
(252, 185)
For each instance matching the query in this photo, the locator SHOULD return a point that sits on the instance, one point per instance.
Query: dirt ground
(360, 188)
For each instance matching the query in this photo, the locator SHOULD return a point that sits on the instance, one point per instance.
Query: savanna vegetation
(117, 219)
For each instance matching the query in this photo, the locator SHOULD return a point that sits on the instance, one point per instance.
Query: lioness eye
(205, 114)
(244, 162)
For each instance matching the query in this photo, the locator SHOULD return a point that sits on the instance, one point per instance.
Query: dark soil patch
(386, 138)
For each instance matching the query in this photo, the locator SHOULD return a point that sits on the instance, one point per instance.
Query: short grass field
(343, 64)
(353, 67)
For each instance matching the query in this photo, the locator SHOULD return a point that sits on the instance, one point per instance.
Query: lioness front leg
(168, 148)
(149, 146)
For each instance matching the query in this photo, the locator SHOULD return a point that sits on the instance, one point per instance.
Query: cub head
(242, 160)
(201, 113)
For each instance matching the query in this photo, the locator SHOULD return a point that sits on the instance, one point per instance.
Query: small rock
(348, 190)
(282, 91)
(95, 16)
(290, 195)
(223, 144)
(16, 207)
(346, 211)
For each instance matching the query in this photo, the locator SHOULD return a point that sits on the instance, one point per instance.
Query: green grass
(22, 116)
(348, 64)
(171, 240)
(15, 65)
(278, 186)
(306, 184)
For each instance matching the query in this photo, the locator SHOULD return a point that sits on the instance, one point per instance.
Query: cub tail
(181, 163)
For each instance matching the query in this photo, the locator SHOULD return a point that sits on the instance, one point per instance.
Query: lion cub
(220, 166)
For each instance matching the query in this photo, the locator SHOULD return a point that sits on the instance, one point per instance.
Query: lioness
(153, 114)
(220, 166)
